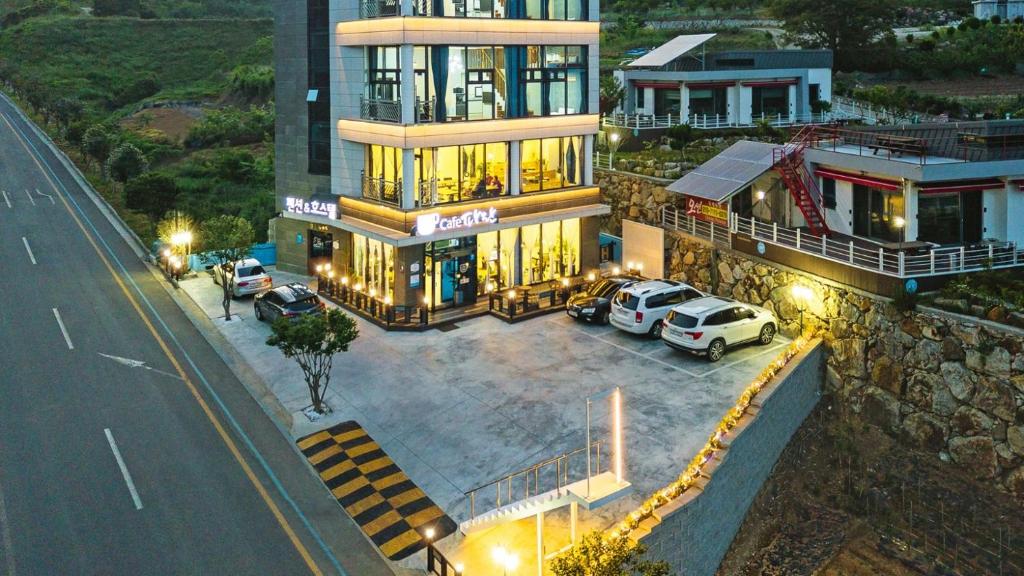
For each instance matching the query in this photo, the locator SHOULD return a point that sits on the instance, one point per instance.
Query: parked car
(287, 301)
(595, 303)
(712, 325)
(639, 308)
(250, 277)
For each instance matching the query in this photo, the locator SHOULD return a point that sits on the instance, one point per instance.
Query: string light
(713, 446)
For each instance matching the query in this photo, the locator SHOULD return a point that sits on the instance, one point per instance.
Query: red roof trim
(642, 84)
(768, 83)
(878, 183)
(967, 186)
(705, 85)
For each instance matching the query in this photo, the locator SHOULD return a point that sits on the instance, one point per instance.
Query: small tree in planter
(226, 240)
(596, 555)
(313, 341)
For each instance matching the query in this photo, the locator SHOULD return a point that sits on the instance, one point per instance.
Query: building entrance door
(321, 248)
(451, 272)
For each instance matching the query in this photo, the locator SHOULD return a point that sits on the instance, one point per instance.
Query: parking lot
(458, 408)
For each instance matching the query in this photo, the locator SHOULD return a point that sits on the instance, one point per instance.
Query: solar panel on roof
(671, 50)
(729, 172)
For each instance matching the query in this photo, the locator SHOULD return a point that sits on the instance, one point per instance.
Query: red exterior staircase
(788, 161)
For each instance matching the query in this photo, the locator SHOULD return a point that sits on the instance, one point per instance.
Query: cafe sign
(428, 224)
(706, 210)
(312, 206)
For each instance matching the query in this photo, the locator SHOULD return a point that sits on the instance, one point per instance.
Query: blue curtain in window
(514, 9)
(439, 67)
(437, 7)
(513, 56)
(570, 162)
(544, 7)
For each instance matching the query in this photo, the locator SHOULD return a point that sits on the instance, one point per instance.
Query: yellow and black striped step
(386, 504)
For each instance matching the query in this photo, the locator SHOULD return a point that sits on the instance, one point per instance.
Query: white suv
(640, 308)
(710, 325)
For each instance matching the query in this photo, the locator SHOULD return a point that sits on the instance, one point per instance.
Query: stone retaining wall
(633, 197)
(947, 383)
(693, 532)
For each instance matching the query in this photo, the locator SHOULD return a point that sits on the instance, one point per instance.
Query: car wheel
(656, 329)
(259, 315)
(767, 334)
(605, 318)
(716, 350)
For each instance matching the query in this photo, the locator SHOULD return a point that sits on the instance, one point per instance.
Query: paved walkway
(460, 408)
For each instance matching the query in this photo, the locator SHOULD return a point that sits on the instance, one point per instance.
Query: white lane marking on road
(29, 194)
(5, 537)
(137, 364)
(46, 195)
(124, 469)
(6, 199)
(724, 366)
(29, 250)
(63, 330)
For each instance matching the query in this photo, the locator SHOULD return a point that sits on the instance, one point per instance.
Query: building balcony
(380, 110)
(381, 190)
(427, 133)
(392, 8)
(423, 30)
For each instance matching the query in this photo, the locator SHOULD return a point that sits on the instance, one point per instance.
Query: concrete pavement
(126, 444)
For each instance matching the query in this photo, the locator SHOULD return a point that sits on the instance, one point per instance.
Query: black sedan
(594, 303)
(289, 301)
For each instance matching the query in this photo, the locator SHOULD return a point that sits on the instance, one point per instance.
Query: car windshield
(681, 320)
(250, 271)
(304, 304)
(627, 300)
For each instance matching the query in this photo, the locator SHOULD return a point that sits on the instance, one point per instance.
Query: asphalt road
(112, 468)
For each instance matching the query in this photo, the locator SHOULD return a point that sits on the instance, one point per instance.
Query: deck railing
(380, 109)
(715, 121)
(381, 190)
(860, 253)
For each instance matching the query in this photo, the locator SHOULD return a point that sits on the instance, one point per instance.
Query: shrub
(152, 194)
(252, 81)
(232, 126)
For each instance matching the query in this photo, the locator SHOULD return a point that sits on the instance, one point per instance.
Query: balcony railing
(426, 192)
(715, 121)
(381, 190)
(855, 252)
(378, 109)
(426, 110)
(389, 8)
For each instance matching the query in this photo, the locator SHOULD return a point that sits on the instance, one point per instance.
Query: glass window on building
(950, 218)
(770, 101)
(555, 80)
(551, 250)
(710, 102)
(463, 172)
(666, 101)
(551, 163)
(373, 265)
(384, 73)
(382, 173)
(571, 247)
(507, 258)
(875, 212)
(532, 262)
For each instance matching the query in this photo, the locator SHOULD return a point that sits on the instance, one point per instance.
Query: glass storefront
(770, 101)
(551, 163)
(709, 102)
(373, 265)
(528, 255)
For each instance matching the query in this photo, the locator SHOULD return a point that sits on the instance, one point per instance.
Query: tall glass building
(432, 149)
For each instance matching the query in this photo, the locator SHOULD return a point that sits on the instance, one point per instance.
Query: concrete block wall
(693, 532)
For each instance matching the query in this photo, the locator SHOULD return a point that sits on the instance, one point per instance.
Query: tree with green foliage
(225, 240)
(612, 93)
(843, 27)
(67, 110)
(96, 144)
(313, 340)
(252, 81)
(126, 161)
(152, 193)
(596, 555)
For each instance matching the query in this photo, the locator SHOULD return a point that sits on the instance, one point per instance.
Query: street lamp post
(613, 147)
(802, 294)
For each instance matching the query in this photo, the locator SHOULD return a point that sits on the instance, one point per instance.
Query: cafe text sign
(427, 224)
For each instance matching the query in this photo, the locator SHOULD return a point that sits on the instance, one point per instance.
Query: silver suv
(641, 307)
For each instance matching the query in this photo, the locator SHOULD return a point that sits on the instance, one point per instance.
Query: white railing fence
(861, 253)
(716, 121)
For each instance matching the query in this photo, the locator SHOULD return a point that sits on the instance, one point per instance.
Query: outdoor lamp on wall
(802, 295)
(900, 223)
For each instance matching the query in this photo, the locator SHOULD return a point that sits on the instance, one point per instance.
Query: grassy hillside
(96, 59)
(81, 76)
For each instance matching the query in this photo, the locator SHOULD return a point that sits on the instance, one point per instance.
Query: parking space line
(63, 330)
(30, 199)
(6, 199)
(124, 469)
(29, 250)
(633, 352)
(762, 353)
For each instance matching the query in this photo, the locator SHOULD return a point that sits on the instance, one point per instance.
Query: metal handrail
(715, 121)
(380, 109)
(381, 190)
(426, 110)
(379, 8)
(561, 463)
